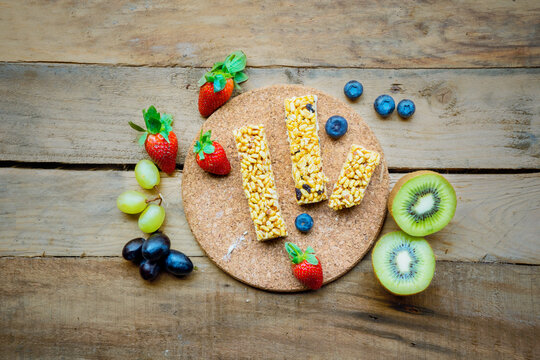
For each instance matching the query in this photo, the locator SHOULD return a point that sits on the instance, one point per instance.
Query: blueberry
(353, 89)
(132, 251)
(156, 247)
(384, 105)
(304, 222)
(405, 108)
(178, 264)
(149, 270)
(336, 126)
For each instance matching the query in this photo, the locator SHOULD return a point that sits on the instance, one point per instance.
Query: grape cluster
(133, 202)
(154, 254)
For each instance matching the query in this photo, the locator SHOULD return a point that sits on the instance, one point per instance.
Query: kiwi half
(422, 202)
(403, 264)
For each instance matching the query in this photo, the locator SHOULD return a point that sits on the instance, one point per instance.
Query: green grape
(151, 218)
(131, 202)
(147, 174)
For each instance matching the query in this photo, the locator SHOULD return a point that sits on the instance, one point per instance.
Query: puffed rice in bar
(354, 178)
(258, 182)
(302, 131)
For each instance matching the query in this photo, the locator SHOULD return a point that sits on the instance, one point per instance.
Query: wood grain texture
(465, 118)
(388, 34)
(73, 213)
(100, 308)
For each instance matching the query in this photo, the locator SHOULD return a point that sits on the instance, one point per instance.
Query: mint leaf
(235, 62)
(312, 259)
(208, 148)
(240, 77)
(219, 83)
(142, 139)
(136, 127)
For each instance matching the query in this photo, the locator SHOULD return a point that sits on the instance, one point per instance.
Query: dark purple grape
(157, 246)
(178, 264)
(132, 251)
(149, 270)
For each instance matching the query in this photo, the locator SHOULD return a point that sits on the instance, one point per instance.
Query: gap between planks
(73, 213)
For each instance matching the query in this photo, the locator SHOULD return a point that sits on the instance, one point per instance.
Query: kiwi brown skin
(401, 182)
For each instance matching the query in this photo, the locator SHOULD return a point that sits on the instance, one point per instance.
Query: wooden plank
(73, 213)
(388, 34)
(465, 118)
(100, 308)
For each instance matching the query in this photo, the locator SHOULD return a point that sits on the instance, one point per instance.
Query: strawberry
(306, 266)
(210, 101)
(218, 83)
(159, 140)
(210, 155)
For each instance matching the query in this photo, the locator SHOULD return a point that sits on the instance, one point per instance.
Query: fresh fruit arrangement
(158, 139)
(154, 255)
(210, 155)
(133, 202)
(402, 263)
(306, 266)
(216, 86)
(421, 203)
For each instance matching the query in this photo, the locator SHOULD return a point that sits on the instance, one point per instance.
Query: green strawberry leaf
(217, 66)
(235, 62)
(167, 119)
(153, 125)
(309, 250)
(136, 127)
(165, 135)
(312, 259)
(240, 77)
(219, 83)
(202, 80)
(142, 139)
(295, 253)
(209, 149)
(198, 147)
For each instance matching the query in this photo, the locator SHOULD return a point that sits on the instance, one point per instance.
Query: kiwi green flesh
(403, 264)
(425, 204)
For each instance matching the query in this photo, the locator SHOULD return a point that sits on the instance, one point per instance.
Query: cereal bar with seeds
(302, 130)
(258, 182)
(354, 178)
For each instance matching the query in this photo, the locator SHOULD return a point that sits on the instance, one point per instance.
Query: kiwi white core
(403, 262)
(424, 204)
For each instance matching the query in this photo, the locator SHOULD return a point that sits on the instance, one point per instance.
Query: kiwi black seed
(403, 264)
(422, 202)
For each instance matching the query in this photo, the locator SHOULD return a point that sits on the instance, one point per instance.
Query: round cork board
(217, 210)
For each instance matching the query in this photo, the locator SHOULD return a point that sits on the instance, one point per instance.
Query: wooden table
(74, 73)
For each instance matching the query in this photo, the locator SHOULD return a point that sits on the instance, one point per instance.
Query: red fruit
(162, 152)
(218, 83)
(159, 140)
(306, 266)
(210, 155)
(210, 101)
